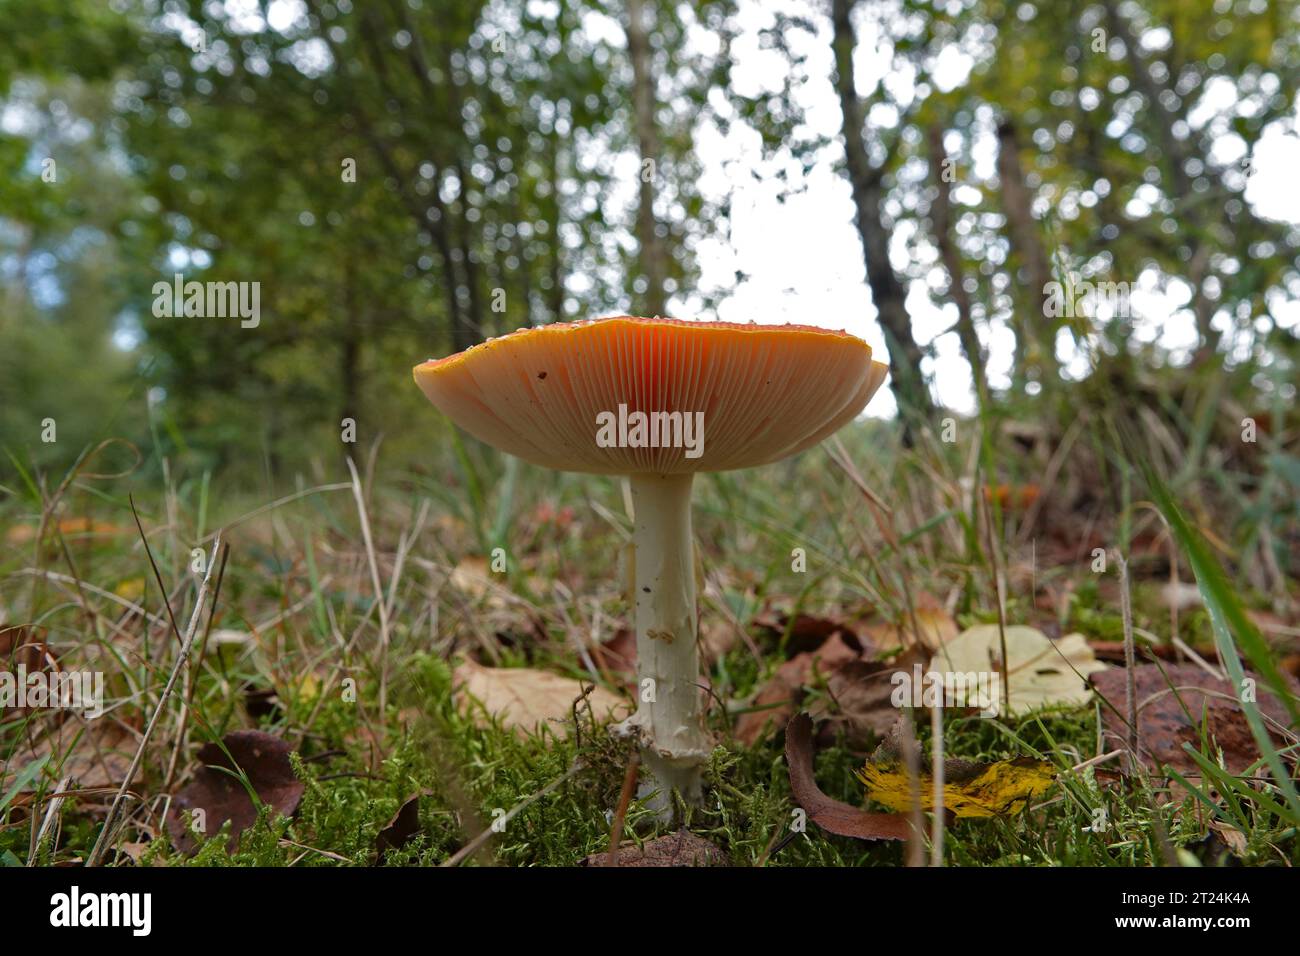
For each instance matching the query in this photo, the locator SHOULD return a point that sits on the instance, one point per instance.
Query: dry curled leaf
(1232, 838)
(777, 699)
(24, 645)
(682, 848)
(527, 700)
(829, 814)
(133, 851)
(859, 701)
(219, 792)
(94, 754)
(402, 828)
(970, 789)
(927, 624)
(22, 650)
(806, 632)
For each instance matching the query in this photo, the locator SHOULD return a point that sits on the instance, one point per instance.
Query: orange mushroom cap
(765, 391)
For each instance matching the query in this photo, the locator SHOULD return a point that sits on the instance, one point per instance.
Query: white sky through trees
(802, 259)
(796, 257)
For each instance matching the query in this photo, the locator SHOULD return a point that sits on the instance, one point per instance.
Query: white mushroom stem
(669, 720)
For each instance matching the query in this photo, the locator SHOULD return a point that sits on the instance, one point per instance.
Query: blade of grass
(1227, 618)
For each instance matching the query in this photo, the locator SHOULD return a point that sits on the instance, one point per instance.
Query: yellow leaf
(307, 687)
(132, 589)
(969, 790)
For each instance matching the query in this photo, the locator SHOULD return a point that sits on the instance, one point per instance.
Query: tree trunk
(350, 351)
(350, 373)
(462, 331)
(1037, 330)
(1158, 121)
(555, 293)
(941, 214)
(652, 260)
(466, 238)
(887, 292)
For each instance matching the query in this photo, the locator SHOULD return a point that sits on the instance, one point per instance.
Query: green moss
(468, 774)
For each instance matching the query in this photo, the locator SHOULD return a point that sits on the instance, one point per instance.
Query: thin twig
(912, 761)
(162, 588)
(311, 849)
(1092, 762)
(936, 771)
(51, 816)
(192, 684)
(379, 588)
(999, 589)
(473, 845)
(1130, 659)
(620, 812)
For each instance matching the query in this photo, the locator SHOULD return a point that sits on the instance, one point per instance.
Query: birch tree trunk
(941, 215)
(887, 292)
(1038, 348)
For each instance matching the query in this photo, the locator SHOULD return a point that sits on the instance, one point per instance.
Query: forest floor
(861, 551)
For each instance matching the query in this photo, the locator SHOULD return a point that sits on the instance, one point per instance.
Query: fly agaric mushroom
(658, 400)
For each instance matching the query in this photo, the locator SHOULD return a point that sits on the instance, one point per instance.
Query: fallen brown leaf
(832, 815)
(1167, 720)
(807, 632)
(526, 700)
(682, 848)
(23, 533)
(935, 624)
(860, 704)
(1291, 664)
(1012, 497)
(932, 625)
(402, 828)
(776, 700)
(95, 754)
(220, 794)
(262, 702)
(24, 645)
(132, 851)
(1232, 838)
(472, 577)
